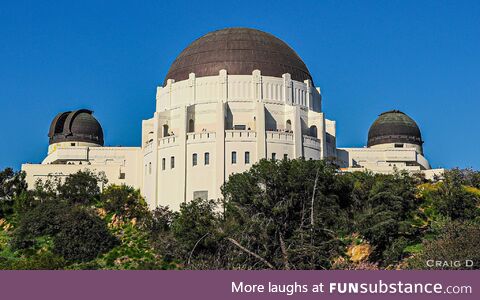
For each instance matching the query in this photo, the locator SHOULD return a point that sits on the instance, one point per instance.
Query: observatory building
(231, 98)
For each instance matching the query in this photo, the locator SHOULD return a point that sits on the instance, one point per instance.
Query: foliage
(81, 187)
(457, 243)
(453, 200)
(83, 236)
(288, 214)
(12, 184)
(124, 201)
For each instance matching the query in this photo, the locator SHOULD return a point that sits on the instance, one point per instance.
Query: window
(398, 145)
(145, 169)
(247, 157)
(240, 127)
(234, 157)
(191, 125)
(172, 162)
(165, 130)
(200, 195)
(194, 159)
(122, 175)
(288, 126)
(72, 144)
(313, 131)
(163, 163)
(285, 156)
(274, 156)
(207, 158)
(149, 168)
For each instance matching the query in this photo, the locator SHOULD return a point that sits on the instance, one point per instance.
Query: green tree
(385, 215)
(82, 187)
(124, 201)
(286, 214)
(451, 199)
(12, 184)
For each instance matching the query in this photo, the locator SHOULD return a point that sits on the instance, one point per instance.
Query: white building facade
(233, 97)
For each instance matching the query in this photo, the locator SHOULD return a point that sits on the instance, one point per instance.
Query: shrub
(83, 236)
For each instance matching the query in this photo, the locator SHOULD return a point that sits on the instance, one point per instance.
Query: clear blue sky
(422, 57)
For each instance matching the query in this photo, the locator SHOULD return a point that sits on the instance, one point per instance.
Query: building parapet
(279, 136)
(201, 137)
(240, 135)
(311, 142)
(238, 88)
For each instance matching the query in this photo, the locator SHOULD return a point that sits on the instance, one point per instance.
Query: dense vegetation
(289, 214)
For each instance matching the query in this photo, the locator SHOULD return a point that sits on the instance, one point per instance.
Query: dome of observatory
(76, 126)
(394, 127)
(240, 51)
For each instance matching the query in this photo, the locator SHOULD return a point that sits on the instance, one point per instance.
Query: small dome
(76, 126)
(240, 51)
(394, 127)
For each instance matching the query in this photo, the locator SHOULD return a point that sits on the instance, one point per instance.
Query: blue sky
(422, 57)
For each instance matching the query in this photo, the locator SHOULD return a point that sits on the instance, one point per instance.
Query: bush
(83, 236)
(457, 242)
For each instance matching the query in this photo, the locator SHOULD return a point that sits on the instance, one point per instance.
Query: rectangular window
(274, 156)
(163, 163)
(240, 127)
(398, 145)
(247, 157)
(172, 162)
(207, 158)
(234, 157)
(194, 159)
(285, 156)
(149, 168)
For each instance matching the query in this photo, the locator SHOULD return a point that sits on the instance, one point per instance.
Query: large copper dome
(239, 51)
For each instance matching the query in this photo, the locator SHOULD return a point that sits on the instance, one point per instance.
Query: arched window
(288, 126)
(194, 159)
(207, 158)
(165, 130)
(191, 125)
(313, 131)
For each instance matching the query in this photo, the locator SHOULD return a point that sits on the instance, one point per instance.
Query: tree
(161, 234)
(45, 219)
(12, 184)
(81, 187)
(124, 201)
(385, 215)
(286, 214)
(451, 199)
(196, 231)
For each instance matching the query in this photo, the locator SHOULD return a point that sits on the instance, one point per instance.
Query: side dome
(76, 126)
(240, 51)
(394, 127)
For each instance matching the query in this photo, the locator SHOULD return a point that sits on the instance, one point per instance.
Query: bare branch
(195, 246)
(250, 252)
